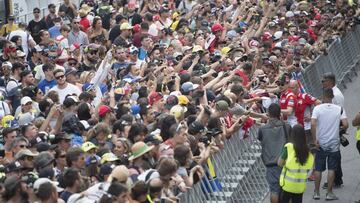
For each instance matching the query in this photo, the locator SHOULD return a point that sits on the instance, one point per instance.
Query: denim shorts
(272, 177)
(322, 158)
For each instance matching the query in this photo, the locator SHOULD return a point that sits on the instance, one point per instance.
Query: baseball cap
(178, 111)
(87, 87)
(125, 26)
(61, 136)
(154, 138)
(87, 146)
(47, 172)
(120, 173)
(25, 152)
(188, 86)
(70, 101)
(6, 63)
(103, 110)
(183, 100)
(171, 101)
(154, 97)
(69, 71)
(20, 53)
(108, 157)
(222, 105)
(25, 100)
(106, 169)
(41, 181)
(216, 27)
(43, 159)
(43, 146)
(196, 127)
(133, 50)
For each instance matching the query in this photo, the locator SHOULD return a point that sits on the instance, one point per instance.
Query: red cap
(136, 28)
(154, 97)
(103, 110)
(266, 36)
(216, 27)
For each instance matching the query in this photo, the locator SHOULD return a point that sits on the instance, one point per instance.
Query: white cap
(25, 100)
(41, 181)
(277, 35)
(289, 14)
(6, 63)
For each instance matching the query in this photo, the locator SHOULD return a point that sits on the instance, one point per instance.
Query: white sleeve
(315, 112)
(11, 85)
(343, 115)
(6, 108)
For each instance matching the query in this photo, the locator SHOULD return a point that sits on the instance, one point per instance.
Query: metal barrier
(239, 167)
(342, 59)
(239, 170)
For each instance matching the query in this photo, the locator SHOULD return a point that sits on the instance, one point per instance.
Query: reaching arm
(313, 129)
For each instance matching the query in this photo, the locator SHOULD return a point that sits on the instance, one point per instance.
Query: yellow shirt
(6, 29)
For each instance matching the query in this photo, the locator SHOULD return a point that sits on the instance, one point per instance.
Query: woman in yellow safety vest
(356, 123)
(297, 162)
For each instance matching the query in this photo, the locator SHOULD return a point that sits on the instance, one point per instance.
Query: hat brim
(132, 157)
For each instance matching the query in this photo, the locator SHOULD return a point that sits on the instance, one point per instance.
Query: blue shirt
(46, 85)
(54, 31)
(142, 54)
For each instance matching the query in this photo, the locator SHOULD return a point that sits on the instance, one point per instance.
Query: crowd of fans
(125, 101)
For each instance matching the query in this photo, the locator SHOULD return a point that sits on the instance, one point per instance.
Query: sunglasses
(22, 146)
(93, 52)
(59, 77)
(72, 64)
(76, 22)
(36, 11)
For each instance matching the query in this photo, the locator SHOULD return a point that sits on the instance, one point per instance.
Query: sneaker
(325, 186)
(331, 196)
(311, 178)
(316, 196)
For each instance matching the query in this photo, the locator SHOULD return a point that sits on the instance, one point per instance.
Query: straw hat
(139, 149)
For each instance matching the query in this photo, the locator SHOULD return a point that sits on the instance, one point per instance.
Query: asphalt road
(350, 191)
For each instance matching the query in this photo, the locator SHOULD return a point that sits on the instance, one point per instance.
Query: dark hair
(135, 130)
(84, 112)
(70, 177)
(44, 105)
(167, 166)
(114, 190)
(166, 124)
(45, 191)
(7, 131)
(300, 146)
(330, 76)
(181, 154)
(328, 93)
(274, 110)
(237, 89)
(48, 67)
(96, 19)
(15, 38)
(73, 154)
(138, 190)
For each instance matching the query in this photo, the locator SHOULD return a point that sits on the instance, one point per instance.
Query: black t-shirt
(65, 195)
(35, 27)
(114, 32)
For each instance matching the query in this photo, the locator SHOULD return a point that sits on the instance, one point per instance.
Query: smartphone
(2, 153)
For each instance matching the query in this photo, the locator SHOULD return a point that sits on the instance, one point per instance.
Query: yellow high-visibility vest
(294, 175)
(357, 137)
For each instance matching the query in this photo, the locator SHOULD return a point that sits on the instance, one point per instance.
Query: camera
(206, 139)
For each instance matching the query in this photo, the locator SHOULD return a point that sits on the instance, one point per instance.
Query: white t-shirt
(328, 123)
(338, 97)
(69, 89)
(40, 75)
(4, 109)
(25, 38)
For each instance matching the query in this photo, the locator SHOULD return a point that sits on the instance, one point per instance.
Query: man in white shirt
(62, 87)
(26, 39)
(329, 81)
(325, 131)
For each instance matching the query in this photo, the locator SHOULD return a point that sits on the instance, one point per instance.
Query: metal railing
(342, 59)
(240, 174)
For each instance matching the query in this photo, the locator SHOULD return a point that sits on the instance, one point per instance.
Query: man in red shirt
(303, 110)
(288, 100)
(219, 33)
